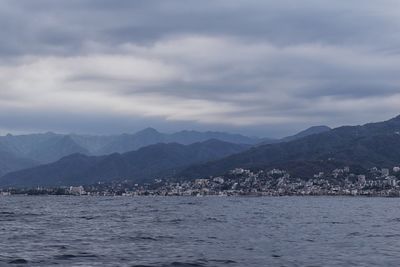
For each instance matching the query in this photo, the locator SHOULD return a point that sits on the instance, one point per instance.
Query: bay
(199, 231)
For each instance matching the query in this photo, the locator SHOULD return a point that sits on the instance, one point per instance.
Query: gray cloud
(257, 67)
(68, 25)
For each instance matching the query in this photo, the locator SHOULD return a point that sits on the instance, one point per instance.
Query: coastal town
(383, 182)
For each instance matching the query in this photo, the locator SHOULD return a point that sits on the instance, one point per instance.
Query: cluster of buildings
(275, 182)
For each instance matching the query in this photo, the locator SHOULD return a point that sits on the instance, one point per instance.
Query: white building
(392, 181)
(361, 180)
(77, 190)
(385, 172)
(219, 180)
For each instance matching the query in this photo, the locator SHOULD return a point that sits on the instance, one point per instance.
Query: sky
(256, 67)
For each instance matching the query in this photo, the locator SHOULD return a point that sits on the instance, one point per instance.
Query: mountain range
(55, 159)
(24, 151)
(370, 145)
(18, 152)
(164, 160)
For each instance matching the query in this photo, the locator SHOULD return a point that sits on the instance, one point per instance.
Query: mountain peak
(309, 131)
(397, 118)
(148, 130)
(318, 129)
(49, 133)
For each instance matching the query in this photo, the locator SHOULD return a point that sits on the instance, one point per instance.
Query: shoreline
(201, 196)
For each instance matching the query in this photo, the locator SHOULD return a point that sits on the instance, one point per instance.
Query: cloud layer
(257, 67)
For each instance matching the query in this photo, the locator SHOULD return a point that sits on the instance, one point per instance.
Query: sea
(199, 231)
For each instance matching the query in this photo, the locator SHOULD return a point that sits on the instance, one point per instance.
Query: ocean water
(204, 231)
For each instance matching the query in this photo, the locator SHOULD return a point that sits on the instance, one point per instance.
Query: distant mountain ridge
(310, 131)
(373, 144)
(315, 149)
(10, 162)
(141, 165)
(33, 144)
(24, 151)
(150, 136)
(20, 152)
(41, 147)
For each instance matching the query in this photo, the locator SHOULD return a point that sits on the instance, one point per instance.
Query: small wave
(184, 264)
(144, 238)
(335, 222)
(7, 216)
(391, 236)
(61, 247)
(173, 264)
(88, 218)
(224, 261)
(176, 221)
(189, 203)
(200, 263)
(6, 213)
(213, 219)
(18, 261)
(65, 257)
(72, 256)
(354, 234)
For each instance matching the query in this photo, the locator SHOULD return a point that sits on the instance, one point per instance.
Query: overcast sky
(258, 67)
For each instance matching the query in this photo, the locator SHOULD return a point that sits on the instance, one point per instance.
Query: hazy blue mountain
(190, 137)
(145, 164)
(42, 148)
(267, 141)
(57, 148)
(93, 143)
(9, 163)
(374, 144)
(25, 151)
(49, 147)
(302, 134)
(150, 136)
(310, 131)
(129, 142)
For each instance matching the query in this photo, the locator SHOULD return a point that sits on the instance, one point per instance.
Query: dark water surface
(209, 231)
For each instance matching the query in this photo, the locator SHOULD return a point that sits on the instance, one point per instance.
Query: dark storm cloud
(254, 66)
(67, 25)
